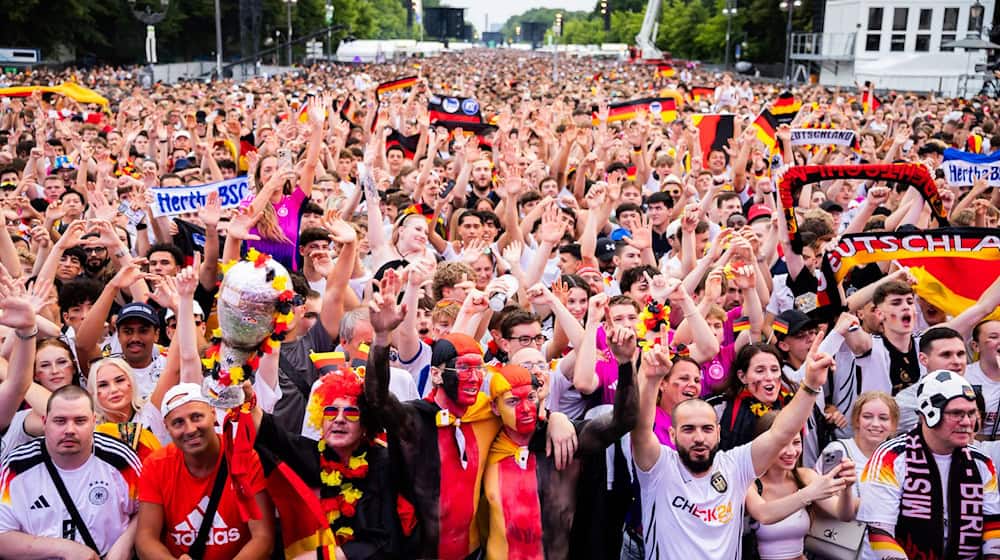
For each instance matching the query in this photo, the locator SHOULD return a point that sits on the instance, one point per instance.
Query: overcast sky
(499, 10)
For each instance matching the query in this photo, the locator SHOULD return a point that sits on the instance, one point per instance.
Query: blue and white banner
(171, 201)
(962, 168)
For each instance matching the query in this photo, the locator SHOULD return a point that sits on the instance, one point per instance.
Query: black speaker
(444, 23)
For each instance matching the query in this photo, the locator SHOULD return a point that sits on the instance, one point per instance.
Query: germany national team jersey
(104, 490)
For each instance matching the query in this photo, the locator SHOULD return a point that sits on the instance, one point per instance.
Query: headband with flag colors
(395, 85)
(912, 174)
(714, 131)
(664, 107)
(940, 259)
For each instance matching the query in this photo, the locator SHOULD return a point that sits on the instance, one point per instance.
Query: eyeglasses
(525, 340)
(958, 415)
(543, 366)
(468, 372)
(95, 250)
(351, 413)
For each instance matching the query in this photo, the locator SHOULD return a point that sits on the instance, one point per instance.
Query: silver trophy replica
(250, 297)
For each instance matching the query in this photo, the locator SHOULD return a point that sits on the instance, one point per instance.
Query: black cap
(831, 206)
(139, 310)
(605, 248)
(796, 320)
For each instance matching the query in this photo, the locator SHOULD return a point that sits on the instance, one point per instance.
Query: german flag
(766, 128)
(785, 107)
(714, 131)
(870, 102)
(779, 327)
(665, 70)
(326, 362)
(665, 107)
(741, 324)
(697, 93)
(456, 112)
(974, 144)
(407, 143)
(394, 85)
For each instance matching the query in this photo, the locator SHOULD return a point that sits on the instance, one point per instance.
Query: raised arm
(208, 272)
(606, 429)
(407, 340)
(18, 314)
(317, 116)
(585, 379)
(187, 281)
(89, 333)
(646, 448)
(793, 417)
(336, 283)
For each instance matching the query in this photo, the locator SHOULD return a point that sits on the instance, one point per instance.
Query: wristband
(29, 336)
(805, 387)
(140, 226)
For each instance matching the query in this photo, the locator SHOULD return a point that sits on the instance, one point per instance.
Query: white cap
(196, 307)
(181, 394)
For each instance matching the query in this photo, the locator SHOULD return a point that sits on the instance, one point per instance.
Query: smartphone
(831, 459)
(284, 158)
(446, 190)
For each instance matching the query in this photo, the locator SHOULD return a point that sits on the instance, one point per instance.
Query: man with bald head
(692, 498)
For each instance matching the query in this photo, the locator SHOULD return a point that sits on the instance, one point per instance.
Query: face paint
(462, 381)
(519, 409)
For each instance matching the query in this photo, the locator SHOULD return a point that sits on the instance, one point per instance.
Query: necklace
(342, 479)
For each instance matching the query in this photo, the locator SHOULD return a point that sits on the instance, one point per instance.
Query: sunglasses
(351, 413)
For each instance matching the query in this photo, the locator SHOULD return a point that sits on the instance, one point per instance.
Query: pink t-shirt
(287, 211)
(714, 371)
(606, 367)
(661, 427)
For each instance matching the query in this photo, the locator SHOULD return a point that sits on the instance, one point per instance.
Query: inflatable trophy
(254, 306)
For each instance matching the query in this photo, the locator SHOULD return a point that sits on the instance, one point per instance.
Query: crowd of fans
(589, 322)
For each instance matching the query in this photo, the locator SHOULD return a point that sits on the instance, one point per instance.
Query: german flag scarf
(740, 417)
(664, 108)
(920, 528)
(940, 259)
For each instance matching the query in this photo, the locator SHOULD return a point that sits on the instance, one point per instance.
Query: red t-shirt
(166, 481)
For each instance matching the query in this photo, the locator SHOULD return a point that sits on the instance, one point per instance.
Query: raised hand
(129, 274)
(817, 363)
(385, 315)
(656, 363)
(240, 224)
(165, 293)
(661, 288)
(340, 231)
(552, 227)
(642, 234)
(212, 211)
(187, 279)
(622, 342)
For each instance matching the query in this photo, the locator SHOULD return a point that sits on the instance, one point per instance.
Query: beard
(697, 466)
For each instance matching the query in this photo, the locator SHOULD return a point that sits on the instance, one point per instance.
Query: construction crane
(647, 34)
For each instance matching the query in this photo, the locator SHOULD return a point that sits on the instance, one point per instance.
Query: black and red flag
(714, 131)
(407, 143)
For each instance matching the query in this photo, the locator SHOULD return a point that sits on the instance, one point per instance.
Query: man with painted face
(532, 505)
(442, 442)
(930, 493)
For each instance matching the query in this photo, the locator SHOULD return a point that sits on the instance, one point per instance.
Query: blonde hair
(869, 396)
(121, 365)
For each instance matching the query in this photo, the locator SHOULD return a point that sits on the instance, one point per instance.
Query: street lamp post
(288, 12)
(556, 34)
(218, 40)
(730, 12)
(789, 7)
(976, 20)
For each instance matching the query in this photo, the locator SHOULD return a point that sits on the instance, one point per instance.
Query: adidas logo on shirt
(185, 532)
(40, 503)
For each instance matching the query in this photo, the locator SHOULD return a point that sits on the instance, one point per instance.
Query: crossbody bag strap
(74, 514)
(197, 548)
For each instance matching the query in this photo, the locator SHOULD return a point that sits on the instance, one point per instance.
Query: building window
(875, 19)
(950, 19)
(897, 43)
(873, 42)
(899, 16)
(923, 43)
(925, 20)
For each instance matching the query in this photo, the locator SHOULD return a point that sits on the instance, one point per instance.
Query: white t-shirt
(882, 491)
(15, 434)
(991, 394)
(563, 397)
(104, 490)
(684, 516)
(146, 377)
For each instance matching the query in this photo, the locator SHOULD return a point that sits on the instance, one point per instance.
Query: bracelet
(29, 336)
(140, 226)
(805, 387)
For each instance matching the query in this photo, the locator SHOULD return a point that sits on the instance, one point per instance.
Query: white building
(896, 44)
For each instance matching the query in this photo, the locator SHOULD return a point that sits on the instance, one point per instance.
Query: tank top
(784, 539)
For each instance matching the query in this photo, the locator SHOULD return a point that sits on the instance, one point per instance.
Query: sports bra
(784, 539)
